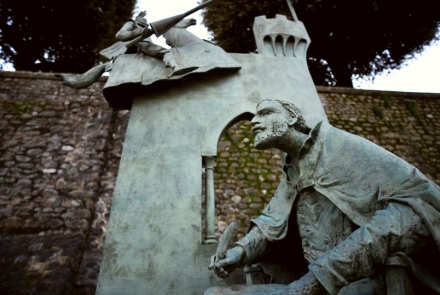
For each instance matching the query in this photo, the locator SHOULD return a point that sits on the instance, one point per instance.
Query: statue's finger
(224, 273)
(224, 262)
(221, 275)
(212, 264)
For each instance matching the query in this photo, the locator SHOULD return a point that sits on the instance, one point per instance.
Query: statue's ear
(292, 120)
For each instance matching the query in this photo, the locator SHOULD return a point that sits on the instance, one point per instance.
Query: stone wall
(59, 156)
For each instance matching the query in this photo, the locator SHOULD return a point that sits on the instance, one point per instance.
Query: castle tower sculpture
(154, 243)
(281, 37)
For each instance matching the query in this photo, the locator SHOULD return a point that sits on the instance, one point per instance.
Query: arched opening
(301, 48)
(217, 126)
(290, 46)
(245, 179)
(279, 46)
(269, 49)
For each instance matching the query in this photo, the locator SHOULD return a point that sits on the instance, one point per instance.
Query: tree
(349, 38)
(59, 36)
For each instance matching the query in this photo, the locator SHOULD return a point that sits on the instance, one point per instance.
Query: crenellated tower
(156, 242)
(281, 37)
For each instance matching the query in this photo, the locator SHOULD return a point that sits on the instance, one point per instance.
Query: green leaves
(59, 36)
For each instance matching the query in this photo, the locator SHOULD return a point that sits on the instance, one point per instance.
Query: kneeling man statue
(347, 218)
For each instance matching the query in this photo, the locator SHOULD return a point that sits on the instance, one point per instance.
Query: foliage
(386, 101)
(378, 111)
(59, 36)
(349, 38)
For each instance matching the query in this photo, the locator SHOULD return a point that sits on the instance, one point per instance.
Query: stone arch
(226, 118)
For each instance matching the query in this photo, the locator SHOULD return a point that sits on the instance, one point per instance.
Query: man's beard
(270, 137)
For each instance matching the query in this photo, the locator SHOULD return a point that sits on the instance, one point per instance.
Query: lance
(289, 3)
(158, 28)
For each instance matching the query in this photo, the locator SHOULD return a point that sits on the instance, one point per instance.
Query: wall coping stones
(344, 90)
(36, 75)
(320, 89)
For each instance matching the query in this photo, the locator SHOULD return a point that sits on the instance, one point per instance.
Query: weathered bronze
(133, 36)
(365, 220)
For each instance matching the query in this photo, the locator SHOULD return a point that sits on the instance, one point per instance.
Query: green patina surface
(406, 125)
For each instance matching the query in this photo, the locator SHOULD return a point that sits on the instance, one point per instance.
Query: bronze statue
(133, 38)
(367, 222)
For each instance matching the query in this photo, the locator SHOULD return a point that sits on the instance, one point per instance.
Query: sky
(421, 74)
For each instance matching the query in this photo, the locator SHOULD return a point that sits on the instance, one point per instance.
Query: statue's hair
(295, 112)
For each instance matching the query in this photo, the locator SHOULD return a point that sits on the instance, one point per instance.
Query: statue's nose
(254, 121)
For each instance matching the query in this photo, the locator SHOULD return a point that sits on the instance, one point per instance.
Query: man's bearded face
(269, 125)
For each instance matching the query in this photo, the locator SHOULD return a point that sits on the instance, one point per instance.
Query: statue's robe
(190, 53)
(360, 178)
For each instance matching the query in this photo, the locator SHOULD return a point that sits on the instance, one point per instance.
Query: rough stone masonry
(59, 156)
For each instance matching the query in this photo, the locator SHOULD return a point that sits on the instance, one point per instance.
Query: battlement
(281, 37)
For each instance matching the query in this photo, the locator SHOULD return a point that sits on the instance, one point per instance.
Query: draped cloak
(360, 178)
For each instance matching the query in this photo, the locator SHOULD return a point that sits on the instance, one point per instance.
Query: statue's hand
(147, 32)
(142, 14)
(141, 20)
(137, 32)
(224, 267)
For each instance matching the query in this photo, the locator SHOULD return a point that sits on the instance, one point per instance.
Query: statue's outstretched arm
(128, 32)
